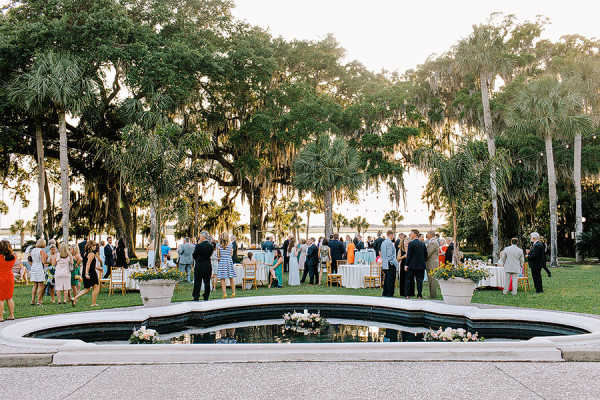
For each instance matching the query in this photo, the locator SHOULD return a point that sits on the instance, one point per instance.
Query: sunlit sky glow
(394, 35)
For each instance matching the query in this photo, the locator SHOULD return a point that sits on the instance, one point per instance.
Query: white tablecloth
(496, 278)
(353, 276)
(261, 275)
(131, 283)
(364, 255)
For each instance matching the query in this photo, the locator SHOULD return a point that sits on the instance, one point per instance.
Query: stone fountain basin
(62, 333)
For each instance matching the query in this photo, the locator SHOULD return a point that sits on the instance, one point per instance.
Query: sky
(395, 35)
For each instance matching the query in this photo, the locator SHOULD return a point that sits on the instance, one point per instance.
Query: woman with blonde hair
(225, 269)
(50, 270)
(76, 272)
(62, 273)
(91, 259)
(38, 259)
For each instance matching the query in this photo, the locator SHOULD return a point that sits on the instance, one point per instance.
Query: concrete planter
(457, 291)
(157, 292)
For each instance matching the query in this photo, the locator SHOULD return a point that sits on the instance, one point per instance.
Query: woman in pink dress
(62, 274)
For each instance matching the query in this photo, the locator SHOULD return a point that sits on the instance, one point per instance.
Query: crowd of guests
(59, 269)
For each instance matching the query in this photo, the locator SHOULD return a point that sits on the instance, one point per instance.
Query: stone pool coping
(71, 352)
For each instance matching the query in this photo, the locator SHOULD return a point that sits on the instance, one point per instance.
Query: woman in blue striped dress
(225, 270)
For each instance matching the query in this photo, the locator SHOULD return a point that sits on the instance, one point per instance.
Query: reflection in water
(278, 334)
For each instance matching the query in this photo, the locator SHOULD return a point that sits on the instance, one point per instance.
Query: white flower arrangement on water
(452, 335)
(305, 322)
(144, 336)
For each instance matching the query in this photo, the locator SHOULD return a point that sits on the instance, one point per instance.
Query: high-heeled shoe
(233, 295)
(224, 296)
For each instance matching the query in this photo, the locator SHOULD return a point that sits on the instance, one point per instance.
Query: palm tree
(325, 167)
(155, 161)
(296, 224)
(582, 75)
(484, 54)
(308, 207)
(453, 176)
(392, 217)
(25, 90)
(61, 85)
(20, 227)
(547, 108)
(360, 224)
(339, 220)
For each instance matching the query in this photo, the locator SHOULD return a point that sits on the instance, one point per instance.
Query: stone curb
(581, 355)
(25, 360)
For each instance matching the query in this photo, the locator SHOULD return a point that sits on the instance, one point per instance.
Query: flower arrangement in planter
(449, 271)
(452, 335)
(457, 282)
(172, 274)
(305, 322)
(157, 285)
(144, 336)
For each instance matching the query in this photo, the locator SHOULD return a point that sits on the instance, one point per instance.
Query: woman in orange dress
(7, 279)
(350, 252)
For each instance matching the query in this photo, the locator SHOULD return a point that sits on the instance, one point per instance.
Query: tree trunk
(552, 197)
(308, 222)
(115, 213)
(129, 225)
(64, 174)
(157, 252)
(578, 206)
(328, 200)
(487, 123)
(39, 229)
(196, 210)
(455, 257)
(153, 223)
(256, 215)
(49, 208)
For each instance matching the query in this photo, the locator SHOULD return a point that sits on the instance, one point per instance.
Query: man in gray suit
(513, 261)
(432, 262)
(185, 252)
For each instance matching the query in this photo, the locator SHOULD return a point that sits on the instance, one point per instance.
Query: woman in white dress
(294, 275)
(302, 259)
(151, 254)
(38, 259)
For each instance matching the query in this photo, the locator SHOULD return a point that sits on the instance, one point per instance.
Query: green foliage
(327, 165)
(360, 224)
(151, 274)
(450, 271)
(588, 243)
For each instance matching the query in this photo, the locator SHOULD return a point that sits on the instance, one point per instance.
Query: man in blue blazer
(416, 254)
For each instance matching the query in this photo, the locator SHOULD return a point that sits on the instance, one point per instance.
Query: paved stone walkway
(379, 380)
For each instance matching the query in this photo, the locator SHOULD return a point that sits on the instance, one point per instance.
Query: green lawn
(571, 288)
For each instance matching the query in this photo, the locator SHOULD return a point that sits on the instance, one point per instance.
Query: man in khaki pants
(432, 262)
(513, 261)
